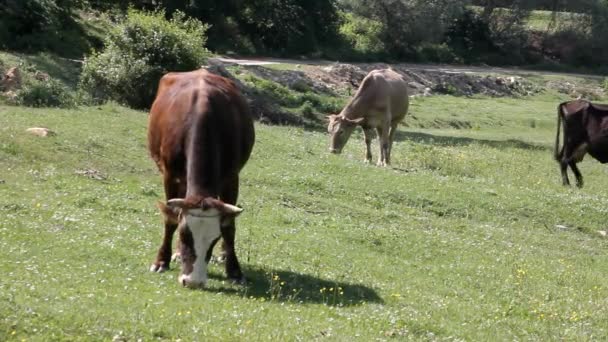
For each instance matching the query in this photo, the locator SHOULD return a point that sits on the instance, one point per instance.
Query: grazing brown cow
(200, 134)
(381, 102)
(585, 131)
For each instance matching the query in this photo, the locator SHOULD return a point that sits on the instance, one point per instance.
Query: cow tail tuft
(557, 152)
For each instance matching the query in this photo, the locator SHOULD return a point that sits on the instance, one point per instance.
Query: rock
(40, 131)
(11, 80)
(10, 95)
(42, 76)
(603, 233)
(91, 173)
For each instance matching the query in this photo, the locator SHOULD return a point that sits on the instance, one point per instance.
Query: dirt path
(449, 69)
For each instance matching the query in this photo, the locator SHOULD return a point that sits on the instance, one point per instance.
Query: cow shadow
(288, 286)
(431, 139)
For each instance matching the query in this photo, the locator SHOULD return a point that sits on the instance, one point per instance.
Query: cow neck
(350, 111)
(203, 158)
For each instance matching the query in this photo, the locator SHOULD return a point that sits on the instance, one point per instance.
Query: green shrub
(307, 110)
(139, 50)
(288, 27)
(470, 37)
(36, 25)
(436, 53)
(45, 93)
(364, 35)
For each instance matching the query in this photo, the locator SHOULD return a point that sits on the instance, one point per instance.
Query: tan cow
(381, 102)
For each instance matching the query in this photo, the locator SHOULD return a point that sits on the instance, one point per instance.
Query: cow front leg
(391, 136)
(369, 136)
(228, 229)
(163, 257)
(173, 189)
(233, 268)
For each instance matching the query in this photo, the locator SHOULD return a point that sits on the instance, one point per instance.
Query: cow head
(199, 229)
(340, 129)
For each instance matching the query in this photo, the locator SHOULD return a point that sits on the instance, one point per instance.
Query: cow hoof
(176, 257)
(239, 280)
(158, 268)
(217, 259)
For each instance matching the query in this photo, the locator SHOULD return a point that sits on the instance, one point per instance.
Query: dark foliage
(470, 38)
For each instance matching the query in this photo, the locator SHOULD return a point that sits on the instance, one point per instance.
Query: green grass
(543, 20)
(540, 20)
(457, 241)
(305, 103)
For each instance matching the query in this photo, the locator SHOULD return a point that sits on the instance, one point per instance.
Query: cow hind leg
(369, 134)
(577, 174)
(209, 255)
(563, 166)
(228, 230)
(391, 136)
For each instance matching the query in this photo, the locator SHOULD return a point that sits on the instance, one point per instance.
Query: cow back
(377, 88)
(200, 121)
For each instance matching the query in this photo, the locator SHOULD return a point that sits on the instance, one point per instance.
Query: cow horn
(231, 209)
(354, 121)
(176, 203)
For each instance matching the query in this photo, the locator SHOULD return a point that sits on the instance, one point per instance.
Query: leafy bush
(138, 51)
(287, 27)
(436, 53)
(34, 25)
(307, 102)
(470, 37)
(363, 34)
(45, 93)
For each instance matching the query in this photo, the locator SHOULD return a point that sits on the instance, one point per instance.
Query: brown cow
(585, 131)
(381, 102)
(200, 134)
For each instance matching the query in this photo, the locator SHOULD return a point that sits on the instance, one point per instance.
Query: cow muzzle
(335, 150)
(190, 282)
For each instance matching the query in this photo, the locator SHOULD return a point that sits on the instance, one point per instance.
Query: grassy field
(469, 236)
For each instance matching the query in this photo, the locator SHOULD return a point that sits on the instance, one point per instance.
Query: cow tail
(557, 152)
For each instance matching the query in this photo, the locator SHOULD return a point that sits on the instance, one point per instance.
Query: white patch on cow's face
(205, 228)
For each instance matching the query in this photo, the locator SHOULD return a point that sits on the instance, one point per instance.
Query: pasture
(468, 236)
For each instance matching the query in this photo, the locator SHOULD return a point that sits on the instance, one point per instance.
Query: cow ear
(171, 214)
(176, 203)
(330, 117)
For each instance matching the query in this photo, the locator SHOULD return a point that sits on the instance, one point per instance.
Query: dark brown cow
(200, 134)
(585, 131)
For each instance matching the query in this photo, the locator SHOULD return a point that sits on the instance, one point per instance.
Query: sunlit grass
(469, 236)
